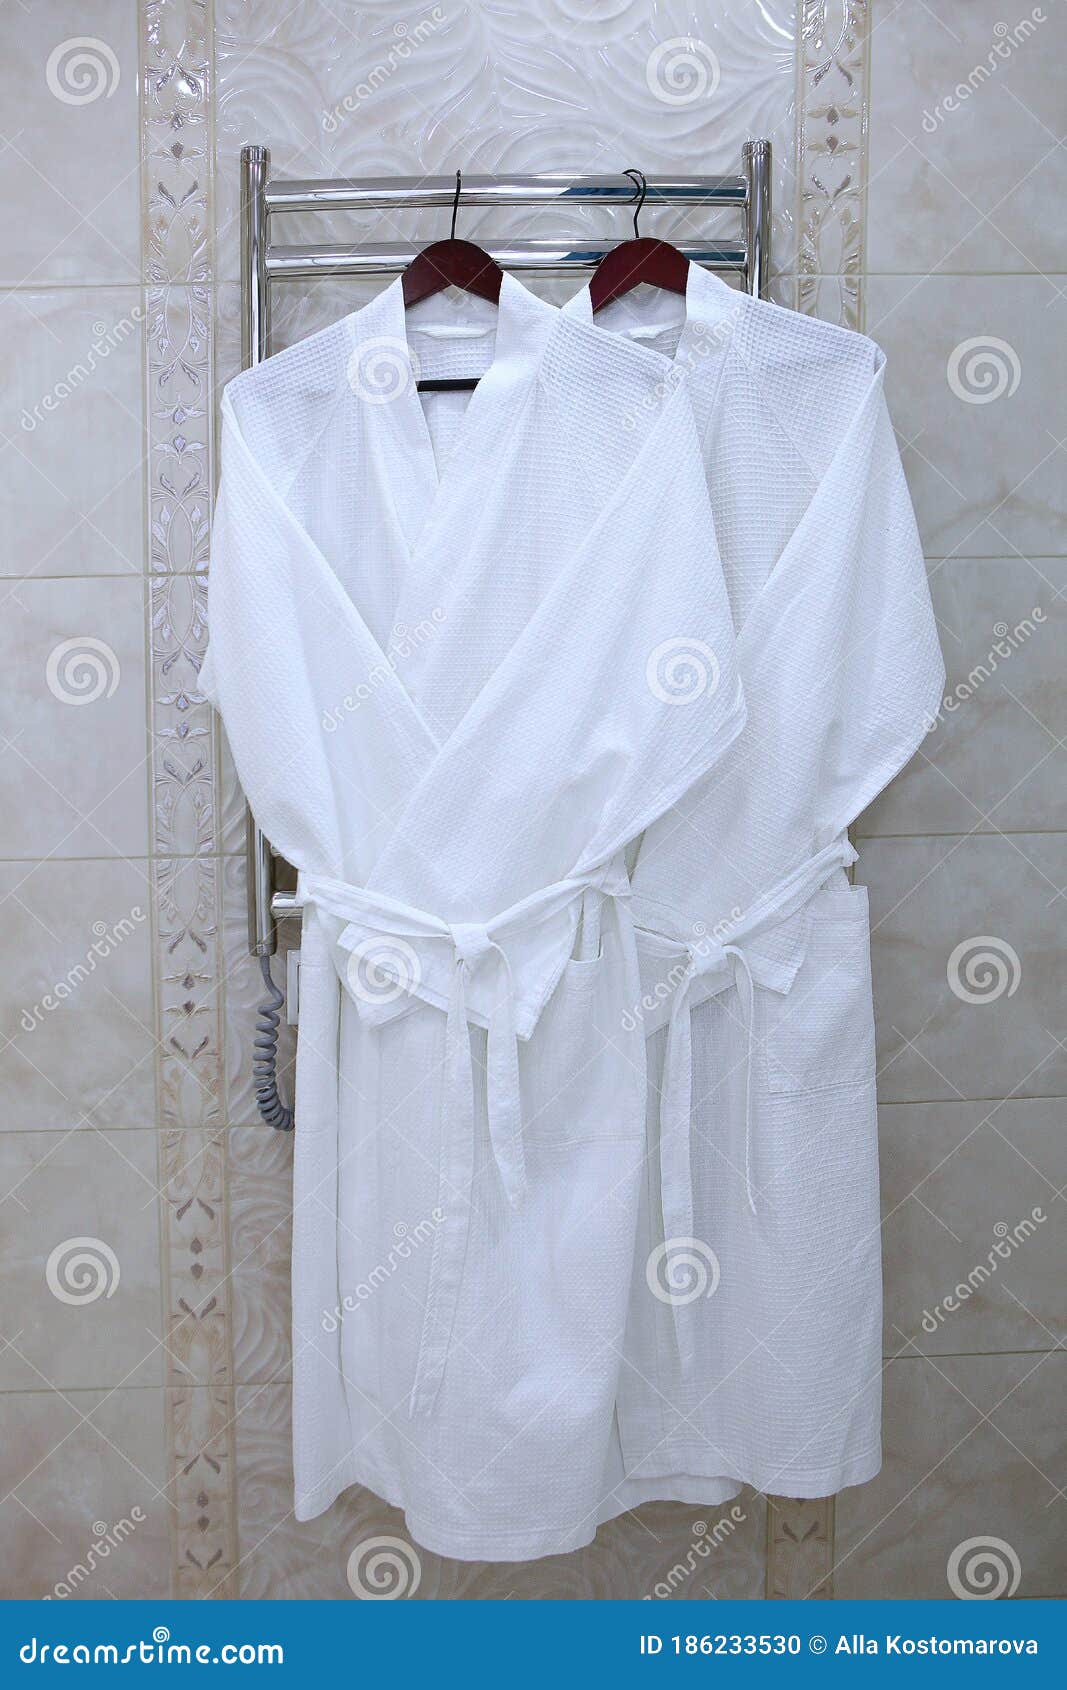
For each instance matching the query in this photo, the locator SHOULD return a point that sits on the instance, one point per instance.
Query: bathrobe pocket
(820, 1035)
(587, 1083)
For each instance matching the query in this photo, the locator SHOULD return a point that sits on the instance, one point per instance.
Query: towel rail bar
(286, 263)
(407, 192)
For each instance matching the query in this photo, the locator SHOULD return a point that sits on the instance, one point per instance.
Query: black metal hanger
(643, 259)
(457, 264)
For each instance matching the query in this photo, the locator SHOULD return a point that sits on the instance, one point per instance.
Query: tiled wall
(965, 262)
(144, 1353)
(82, 1370)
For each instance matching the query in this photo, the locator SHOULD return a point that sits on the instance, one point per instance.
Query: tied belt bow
(711, 966)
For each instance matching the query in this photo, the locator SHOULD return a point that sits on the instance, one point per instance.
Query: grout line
(990, 832)
(965, 275)
(972, 1355)
(71, 577)
(931, 1102)
(256, 1125)
(97, 1390)
(283, 1382)
(134, 285)
(237, 854)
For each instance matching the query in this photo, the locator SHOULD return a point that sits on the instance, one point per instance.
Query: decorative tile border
(832, 126)
(832, 119)
(800, 1548)
(198, 1404)
(177, 157)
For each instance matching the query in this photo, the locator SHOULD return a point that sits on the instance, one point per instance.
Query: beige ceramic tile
(993, 761)
(85, 1513)
(260, 1191)
(967, 954)
(280, 1559)
(974, 1449)
(70, 416)
(630, 1558)
(975, 1233)
(73, 771)
(974, 388)
(79, 1260)
(76, 1008)
(966, 111)
(656, 1552)
(69, 172)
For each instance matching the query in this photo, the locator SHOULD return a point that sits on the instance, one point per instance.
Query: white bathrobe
(754, 1345)
(439, 636)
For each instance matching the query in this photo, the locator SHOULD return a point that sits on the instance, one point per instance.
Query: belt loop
(589, 936)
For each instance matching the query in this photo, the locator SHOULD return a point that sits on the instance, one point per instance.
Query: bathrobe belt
(479, 957)
(710, 965)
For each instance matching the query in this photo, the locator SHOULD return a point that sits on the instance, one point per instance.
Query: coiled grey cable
(265, 1059)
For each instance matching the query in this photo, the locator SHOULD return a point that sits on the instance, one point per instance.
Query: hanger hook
(640, 182)
(455, 203)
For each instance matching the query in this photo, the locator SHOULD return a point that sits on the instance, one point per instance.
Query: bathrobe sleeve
(272, 600)
(841, 668)
(842, 643)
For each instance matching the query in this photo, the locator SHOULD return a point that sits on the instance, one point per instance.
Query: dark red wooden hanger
(643, 259)
(451, 264)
